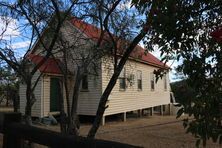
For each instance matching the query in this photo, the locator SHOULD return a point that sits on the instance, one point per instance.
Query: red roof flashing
(50, 66)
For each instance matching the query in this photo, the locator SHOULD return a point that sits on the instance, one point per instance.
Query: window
(165, 82)
(85, 82)
(152, 83)
(131, 79)
(122, 79)
(139, 80)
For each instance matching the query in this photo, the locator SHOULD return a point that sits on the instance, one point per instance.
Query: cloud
(19, 45)
(124, 5)
(8, 28)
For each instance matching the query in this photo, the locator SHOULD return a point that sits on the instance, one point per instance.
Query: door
(54, 94)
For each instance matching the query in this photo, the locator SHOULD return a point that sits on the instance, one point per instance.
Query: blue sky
(12, 36)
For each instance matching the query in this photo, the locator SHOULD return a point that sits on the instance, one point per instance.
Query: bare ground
(148, 132)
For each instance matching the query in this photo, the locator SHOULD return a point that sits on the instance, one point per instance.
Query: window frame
(165, 82)
(139, 80)
(152, 81)
(85, 80)
(122, 78)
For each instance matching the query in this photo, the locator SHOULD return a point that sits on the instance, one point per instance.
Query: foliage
(181, 29)
(8, 87)
(183, 93)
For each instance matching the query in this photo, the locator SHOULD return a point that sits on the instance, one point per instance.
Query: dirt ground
(148, 132)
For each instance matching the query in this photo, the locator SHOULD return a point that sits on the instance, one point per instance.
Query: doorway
(55, 92)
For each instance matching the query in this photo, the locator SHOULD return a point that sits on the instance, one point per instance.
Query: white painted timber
(131, 98)
(36, 108)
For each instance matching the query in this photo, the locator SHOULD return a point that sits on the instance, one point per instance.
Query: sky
(13, 35)
(171, 63)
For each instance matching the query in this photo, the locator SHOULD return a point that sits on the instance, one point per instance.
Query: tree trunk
(102, 106)
(16, 102)
(28, 108)
(112, 82)
(62, 110)
(7, 95)
(73, 119)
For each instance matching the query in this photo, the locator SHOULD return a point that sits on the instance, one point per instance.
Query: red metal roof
(217, 34)
(50, 66)
(148, 58)
(139, 54)
(90, 30)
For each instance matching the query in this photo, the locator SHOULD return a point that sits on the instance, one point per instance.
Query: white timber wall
(89, 100)
(36, 108)
(45, 96)
(131, 98)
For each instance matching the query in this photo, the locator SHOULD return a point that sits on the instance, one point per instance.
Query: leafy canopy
(181, 29)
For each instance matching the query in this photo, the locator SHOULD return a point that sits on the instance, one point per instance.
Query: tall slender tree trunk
(102, 106)
(7, 95)
(73, 119)
(16, 102)
(62, 110)
(28, 108)
(112, 82)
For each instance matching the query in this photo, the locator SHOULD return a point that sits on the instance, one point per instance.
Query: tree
(118, 66)
(32, 17)
(85, 54)
(9, 87)
(80, 59)
(181, 30)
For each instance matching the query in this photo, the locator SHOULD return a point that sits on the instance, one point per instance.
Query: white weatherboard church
(135, 89)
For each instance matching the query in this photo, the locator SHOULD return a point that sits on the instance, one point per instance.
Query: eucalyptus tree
(182, 30)
(8, 87)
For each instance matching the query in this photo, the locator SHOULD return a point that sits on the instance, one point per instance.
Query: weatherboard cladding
(132, 98)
